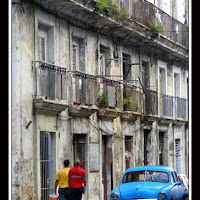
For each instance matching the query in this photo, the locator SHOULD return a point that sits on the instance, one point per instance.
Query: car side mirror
(178, 183)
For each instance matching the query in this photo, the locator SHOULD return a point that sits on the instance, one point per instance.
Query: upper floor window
(45, 43)
(78, 54)
(105, 56)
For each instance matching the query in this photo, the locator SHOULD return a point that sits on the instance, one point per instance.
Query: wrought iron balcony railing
(146, 13)
(56, 83)
(51, 81)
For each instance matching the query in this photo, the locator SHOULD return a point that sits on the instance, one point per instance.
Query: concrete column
(155, 143)
(117, 151)
(139, 144)
(171, 145)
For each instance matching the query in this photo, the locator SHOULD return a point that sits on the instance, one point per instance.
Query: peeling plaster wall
(23, 148)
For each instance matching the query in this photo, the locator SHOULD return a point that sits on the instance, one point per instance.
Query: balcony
(173, 107)
(51, 88)
(145, 13)
(172, 42)
(133, 98)
(58, 89)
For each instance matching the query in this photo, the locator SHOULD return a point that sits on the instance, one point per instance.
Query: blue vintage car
(149, 183)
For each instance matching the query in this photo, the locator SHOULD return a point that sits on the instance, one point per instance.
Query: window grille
(42, 50)
(46, 165)
(161, 147)
(177, 155)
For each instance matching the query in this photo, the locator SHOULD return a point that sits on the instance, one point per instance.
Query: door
(46, 165)
(107, 171)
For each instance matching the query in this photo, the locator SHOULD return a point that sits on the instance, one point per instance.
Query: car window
(157, 176)
(154, 176)
(174, 177)
(134, 176)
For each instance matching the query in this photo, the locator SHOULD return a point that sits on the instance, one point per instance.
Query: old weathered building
(105, 86)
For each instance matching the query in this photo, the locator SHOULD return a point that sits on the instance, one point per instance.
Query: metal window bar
(177, 155)
(45, 165)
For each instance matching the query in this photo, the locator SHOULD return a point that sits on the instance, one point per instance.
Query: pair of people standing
(71, 181)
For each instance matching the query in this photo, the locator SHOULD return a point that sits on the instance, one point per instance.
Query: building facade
(98, 85)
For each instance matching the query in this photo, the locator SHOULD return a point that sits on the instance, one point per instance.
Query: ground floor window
(80, 149)
(177, 155)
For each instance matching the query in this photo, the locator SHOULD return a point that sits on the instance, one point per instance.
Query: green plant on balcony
(103, 6)
(128, 100)
(138, 108)
(103, 100)
(155, 28)
(116, 13)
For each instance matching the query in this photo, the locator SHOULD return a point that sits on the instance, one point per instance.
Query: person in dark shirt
(77, 177)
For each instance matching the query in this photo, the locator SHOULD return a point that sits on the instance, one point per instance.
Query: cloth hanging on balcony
(185, 16)
(158, 16)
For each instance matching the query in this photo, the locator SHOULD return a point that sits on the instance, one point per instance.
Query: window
(42, 44)
(80, 149)
(45, 43)
(128, 150)
(154, 176)
(78, 54)
(134, 177)
(126, 67)
(105, 56)
(176, 85)
(177, 155)
(174, 177)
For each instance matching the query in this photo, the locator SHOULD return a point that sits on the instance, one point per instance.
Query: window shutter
(177, 155)
(41, 48)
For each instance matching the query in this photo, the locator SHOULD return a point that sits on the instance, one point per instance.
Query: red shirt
(76, 175)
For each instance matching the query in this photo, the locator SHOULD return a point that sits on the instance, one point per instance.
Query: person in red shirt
(76, 180)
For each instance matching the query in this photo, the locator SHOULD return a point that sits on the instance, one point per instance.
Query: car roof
(150, 167)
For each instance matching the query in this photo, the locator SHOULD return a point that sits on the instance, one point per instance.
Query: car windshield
(154, 176)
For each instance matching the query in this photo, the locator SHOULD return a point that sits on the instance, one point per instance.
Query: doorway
(107, 169)
(47, 163)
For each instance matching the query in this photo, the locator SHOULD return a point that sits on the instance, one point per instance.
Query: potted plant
(155, 29)
(103, 6)
(103, 100)
(128, 103)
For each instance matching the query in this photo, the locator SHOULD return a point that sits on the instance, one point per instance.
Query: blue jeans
(75, 193)
(63, 193)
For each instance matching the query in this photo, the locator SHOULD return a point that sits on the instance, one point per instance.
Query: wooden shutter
(42, 51)
(44, 82)
(74, 57)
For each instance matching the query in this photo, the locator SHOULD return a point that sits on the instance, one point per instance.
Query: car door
(177, 190)
(130, 184)
(129, 190)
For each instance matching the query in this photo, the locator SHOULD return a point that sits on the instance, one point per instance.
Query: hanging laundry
(186, 21)
(158, 16)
